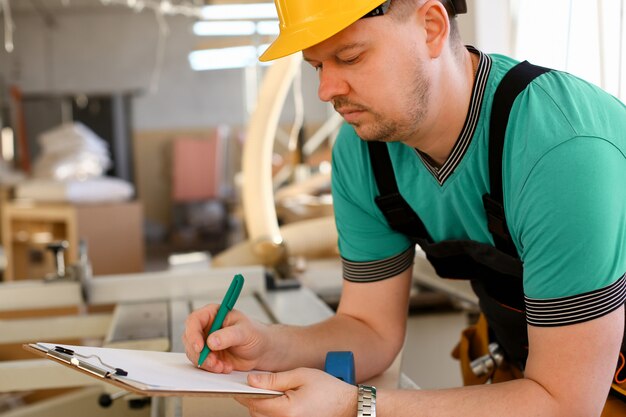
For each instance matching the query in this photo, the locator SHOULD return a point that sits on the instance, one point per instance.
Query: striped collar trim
(442, 173)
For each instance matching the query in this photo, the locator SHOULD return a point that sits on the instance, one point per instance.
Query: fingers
(196, 324)
(265, 407)
(235, 333)
(306, 392)
(213, 364)
(220, 359)
(194, 334)
(279, 381)
(230, 335)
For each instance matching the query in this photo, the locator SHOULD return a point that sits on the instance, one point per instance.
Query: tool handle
(341, 365)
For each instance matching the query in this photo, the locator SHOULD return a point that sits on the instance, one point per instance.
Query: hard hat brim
(294, 39)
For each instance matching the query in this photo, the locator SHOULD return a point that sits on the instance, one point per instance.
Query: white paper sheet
(162, 371)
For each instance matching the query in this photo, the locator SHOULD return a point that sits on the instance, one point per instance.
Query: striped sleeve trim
(577, 308)
(378, 270)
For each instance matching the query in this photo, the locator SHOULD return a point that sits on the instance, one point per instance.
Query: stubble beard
(383, 128)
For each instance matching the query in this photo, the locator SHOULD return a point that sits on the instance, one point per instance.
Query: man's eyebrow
(338, 50)
(349, 46)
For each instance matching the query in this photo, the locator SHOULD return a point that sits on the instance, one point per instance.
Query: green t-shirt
(564, 171)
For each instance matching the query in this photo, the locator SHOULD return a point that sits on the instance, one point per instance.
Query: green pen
(227, 305)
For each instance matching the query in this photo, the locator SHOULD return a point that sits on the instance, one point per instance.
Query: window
(582, 37)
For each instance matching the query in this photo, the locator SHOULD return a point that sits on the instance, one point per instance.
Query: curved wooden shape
(268, 244)
(315, 238)
(258, 194)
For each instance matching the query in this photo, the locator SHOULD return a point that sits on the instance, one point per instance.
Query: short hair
(401, 10)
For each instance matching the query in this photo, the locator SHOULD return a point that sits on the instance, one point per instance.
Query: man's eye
(350, 60)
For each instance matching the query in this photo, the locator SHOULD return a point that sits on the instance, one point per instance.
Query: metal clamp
(486, 364)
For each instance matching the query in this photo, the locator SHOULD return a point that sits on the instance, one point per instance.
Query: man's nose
(331, 84)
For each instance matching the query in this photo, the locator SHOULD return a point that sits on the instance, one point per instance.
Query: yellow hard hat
(304, 23)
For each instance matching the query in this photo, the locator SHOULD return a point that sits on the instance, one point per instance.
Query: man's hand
(239, 345)
(308, 392)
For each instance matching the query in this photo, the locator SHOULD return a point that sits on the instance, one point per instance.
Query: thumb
(278, 381)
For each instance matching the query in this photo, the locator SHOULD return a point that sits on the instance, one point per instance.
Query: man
(398, 73)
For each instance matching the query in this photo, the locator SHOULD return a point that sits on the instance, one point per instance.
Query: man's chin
(362, 132)
(369, 136)
(371, 132)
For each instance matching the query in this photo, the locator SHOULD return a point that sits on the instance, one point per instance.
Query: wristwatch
(366, 401)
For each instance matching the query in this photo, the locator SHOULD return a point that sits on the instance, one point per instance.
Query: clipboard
(148, 373)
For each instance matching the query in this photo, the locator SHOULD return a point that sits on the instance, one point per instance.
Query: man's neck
(447, 122)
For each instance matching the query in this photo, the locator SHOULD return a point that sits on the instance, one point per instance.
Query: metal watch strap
(366, 401)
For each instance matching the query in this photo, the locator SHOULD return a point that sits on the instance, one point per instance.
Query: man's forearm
(518, 398)
(292, 347)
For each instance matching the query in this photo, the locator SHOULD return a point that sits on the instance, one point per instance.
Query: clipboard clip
(70, 357)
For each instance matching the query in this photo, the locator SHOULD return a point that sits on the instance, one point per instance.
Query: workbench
(150, 313)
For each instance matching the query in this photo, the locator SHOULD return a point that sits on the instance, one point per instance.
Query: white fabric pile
(93, 190)
(71, 168)
(71, 151)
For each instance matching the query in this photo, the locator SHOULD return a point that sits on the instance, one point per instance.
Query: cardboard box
(114, 236)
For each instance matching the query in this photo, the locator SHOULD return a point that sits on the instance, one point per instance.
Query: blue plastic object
(341, 365)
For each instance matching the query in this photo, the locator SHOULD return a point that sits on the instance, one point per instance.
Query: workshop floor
(426, 359)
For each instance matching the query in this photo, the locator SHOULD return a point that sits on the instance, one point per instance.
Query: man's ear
(436, 25)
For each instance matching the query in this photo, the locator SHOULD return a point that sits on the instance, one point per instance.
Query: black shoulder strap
(400, 216)
(513, 83)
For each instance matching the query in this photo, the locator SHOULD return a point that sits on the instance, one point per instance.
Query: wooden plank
(36, 295)
(54, 328)
(141, 326)
(32, 374)
(83, 402)
(172, 284)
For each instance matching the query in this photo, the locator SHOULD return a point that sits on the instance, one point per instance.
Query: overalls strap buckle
(496, 222)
